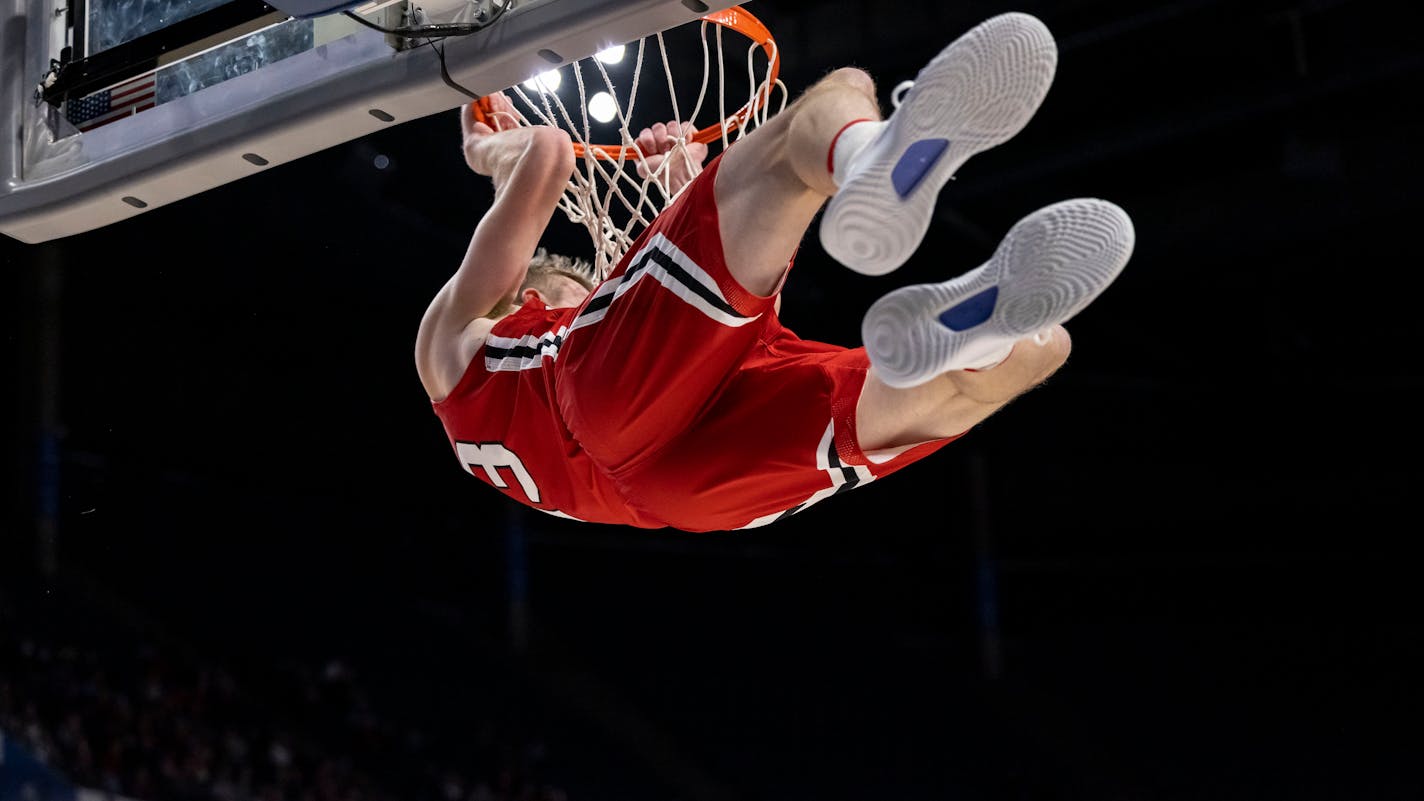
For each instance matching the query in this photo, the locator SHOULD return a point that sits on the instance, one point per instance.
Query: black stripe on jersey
(523, 351)
(852, 478)
(598, 302)
(833, 461)
(674, 270)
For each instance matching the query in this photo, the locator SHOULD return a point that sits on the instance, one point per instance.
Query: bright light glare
(602, 108)
(612, 55)
(550, 81)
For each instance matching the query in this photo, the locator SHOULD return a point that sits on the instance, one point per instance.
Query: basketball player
(670, 395)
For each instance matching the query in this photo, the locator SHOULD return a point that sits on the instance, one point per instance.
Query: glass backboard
(109, 113)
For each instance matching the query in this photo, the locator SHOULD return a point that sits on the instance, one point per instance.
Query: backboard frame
(57, 182)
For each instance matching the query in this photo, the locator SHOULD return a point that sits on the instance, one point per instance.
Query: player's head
(557, 280)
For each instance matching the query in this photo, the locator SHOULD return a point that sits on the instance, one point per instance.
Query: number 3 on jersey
(494, 457)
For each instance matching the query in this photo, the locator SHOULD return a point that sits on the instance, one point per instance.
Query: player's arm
(530, 166)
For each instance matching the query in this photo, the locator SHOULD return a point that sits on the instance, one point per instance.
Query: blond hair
(543, 267)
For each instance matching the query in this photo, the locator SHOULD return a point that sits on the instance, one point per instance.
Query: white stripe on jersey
(644, 263)
(843, 477)
(522, 353)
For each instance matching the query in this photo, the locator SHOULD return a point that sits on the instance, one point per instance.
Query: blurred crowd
(153, 724)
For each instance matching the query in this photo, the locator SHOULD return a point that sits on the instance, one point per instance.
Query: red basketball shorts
(686, 389)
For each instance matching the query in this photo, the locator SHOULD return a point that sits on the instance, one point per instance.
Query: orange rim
(735, 18)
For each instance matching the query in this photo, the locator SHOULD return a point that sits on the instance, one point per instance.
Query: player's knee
(846, 78)
(855, 77)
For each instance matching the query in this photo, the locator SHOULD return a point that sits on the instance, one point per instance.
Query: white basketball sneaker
(977, 93)
(1049, 266)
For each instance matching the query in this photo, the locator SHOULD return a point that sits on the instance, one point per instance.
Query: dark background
(1181, 569)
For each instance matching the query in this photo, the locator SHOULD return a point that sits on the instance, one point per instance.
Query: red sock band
(831, 153)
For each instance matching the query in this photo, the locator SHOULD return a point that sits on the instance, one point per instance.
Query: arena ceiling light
(545, 80)
(611, 55)
(602, 108)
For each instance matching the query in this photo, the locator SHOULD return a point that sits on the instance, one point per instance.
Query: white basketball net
(606, 195)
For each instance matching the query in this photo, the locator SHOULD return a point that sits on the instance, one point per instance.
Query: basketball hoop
(612, 202)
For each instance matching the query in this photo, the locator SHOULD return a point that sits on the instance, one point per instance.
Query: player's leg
(771, 185)
(976, 94)
(883, 176)
(945, 356)
(955, 401)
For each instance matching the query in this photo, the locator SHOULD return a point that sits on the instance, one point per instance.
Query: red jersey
(671, 397)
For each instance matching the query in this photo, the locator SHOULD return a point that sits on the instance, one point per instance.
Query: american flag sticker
(115, 103)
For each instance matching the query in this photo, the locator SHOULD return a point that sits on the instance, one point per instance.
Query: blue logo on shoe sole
(970, 312)
(915, 162)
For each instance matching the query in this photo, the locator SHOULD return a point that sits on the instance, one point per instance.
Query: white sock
(991, 356)
(848, 144)
(987, 359)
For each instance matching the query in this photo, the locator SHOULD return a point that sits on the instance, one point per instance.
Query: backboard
(104, 120)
